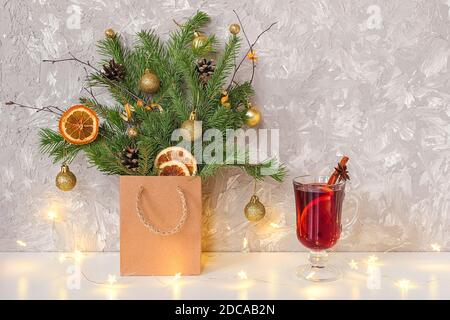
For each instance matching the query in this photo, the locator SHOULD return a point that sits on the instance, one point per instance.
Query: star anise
(342, 172)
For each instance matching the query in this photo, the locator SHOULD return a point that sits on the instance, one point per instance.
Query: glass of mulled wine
(319, 208)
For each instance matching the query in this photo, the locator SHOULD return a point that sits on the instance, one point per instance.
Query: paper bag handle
(155, 229)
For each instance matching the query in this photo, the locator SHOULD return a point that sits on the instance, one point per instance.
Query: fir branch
(111, 48)
(208, 48)
(223, 68)
(239, 94)
(53, 144)
(105, 155)
(179, 39)
(223, 119)
(101, 110)
(145, 159)
(187, 67)
(277, 171)
(152, 55)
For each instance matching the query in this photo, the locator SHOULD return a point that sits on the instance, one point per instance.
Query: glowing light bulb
(21, 243)
(404, 284)
(435, 247)
(353, 264)
(372, 260)
(52, 215)
(245, 243)
(62, 258)
(242, 275)
(274, 225)
(77, 255)
(177, 276)
(112, 279)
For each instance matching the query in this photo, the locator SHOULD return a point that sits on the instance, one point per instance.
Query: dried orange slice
(79, 125)
(179, 154)
(173, 168)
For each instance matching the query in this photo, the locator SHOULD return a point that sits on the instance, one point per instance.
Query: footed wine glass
(319, 208)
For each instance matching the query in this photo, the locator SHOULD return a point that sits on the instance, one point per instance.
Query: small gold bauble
(254, 210)
(199, 41)
(235, 28)
(109, 33)
(149, 82)
(132, 132)
(252, 116)
(65, 180)
(191, 132)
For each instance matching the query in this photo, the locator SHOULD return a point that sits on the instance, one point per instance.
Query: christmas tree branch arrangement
(158, 88)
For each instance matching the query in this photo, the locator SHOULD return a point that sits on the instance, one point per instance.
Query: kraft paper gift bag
(160, 225)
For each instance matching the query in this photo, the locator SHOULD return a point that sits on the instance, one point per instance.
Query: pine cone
(205, 69)
(114, 71)
(130, 158)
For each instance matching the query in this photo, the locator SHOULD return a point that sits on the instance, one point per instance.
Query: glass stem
(318, 259)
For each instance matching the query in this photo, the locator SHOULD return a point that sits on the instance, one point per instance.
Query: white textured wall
(366, 78)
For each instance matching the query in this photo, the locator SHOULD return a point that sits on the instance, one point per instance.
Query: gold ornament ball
(254, 210)
(199, 41)
(109, 33)
(132, 132)
(149, 82)
(252, 116)
(235, 28)
(191, 133)
(65, 180)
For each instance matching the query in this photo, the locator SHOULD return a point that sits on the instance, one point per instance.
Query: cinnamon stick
(335, 175)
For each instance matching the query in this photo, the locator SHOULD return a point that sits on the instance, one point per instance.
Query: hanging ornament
(200, 41)
(139, 103)
(191, 133)
(132, 132)
(65, 180)
(149, 82)
(254, 210)
(252, 115)
(224, 100)
(109, 33)
(235, 28)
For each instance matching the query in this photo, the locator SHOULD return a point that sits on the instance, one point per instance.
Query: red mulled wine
(319, 209)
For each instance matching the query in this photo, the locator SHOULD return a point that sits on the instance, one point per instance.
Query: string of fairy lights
(365, 266)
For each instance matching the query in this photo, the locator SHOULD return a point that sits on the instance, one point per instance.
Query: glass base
(318, 270)
(319, 274)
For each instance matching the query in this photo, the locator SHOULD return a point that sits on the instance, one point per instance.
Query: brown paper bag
(160, 225)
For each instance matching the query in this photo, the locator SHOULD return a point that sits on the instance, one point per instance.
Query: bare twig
(73, 58)
(179, 25)
(52, 109)
(249, 44)
(88, 64)
(89, 89)
(250, 49)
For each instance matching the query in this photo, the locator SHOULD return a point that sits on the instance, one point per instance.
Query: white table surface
(226, 276)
